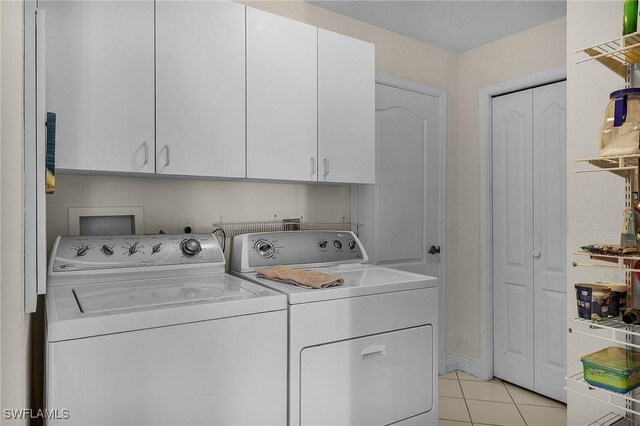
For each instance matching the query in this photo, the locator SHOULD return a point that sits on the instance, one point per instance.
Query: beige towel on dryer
(299, 277)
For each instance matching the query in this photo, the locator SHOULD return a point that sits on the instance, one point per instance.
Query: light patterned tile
(451, 375)
(453, 409)
(495, 413)
(450, 388)
(524, 396)
(543, 416)
(466, 376)
(485, 391)
(443, 422)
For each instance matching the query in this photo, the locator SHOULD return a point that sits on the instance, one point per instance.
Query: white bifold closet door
(529, 238)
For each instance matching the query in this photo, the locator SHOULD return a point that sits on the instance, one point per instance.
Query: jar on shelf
(620, 132)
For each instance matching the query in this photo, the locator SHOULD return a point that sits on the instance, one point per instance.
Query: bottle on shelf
(630, 17)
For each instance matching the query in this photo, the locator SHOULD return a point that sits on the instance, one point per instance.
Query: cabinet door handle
(326, 167)
(168, 159)
(313, 165)
(146, 152)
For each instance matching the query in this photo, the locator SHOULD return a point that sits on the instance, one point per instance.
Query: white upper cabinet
(200, 88)
(207, 89)
(99, 66)
(281, 98)
(346, 109)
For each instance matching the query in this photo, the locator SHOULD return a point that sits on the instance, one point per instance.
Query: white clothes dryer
(363, 353)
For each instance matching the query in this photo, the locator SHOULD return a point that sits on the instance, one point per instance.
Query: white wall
(166, 200)
(14, 324)
(530, 51)
(595, 201)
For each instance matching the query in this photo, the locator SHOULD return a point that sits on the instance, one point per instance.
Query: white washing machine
(364, 353)
(149, 330)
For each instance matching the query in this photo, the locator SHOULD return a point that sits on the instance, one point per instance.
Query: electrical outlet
(186, 222)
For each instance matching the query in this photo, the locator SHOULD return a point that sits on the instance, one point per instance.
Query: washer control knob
(190, 247)
(108, 251)
(156, 248)
(133, 249)
(264, 248)
(352, 244)
(337, 243)
(82, 250)
(322, 243)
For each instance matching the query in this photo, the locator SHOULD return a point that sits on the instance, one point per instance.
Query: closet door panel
(550, 248)
(513, 238)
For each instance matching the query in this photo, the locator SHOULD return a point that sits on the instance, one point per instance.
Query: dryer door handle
(373, 351)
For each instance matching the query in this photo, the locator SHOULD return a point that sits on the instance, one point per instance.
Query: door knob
(434, 250)
(536, 254)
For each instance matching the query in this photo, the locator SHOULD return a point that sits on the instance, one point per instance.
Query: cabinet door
(346, 109)
(200, 88)
(100, 63)
(281, 98)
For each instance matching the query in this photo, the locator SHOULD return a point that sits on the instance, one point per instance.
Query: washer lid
(359, 280)
(130, 295)
(77, 311)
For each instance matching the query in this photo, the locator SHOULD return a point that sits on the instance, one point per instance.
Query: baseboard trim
(464, 363)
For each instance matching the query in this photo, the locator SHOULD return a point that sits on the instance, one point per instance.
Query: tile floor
(465, 400)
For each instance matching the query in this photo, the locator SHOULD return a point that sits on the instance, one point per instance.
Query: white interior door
(529, 238)
(550, 238)
(513, 238)
(407, 180)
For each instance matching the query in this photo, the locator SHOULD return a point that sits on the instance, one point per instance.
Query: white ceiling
(454, 25)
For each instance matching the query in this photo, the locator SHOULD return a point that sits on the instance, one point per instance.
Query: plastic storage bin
(620, 133)
(612, 368)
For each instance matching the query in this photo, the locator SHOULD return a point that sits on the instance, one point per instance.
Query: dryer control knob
(322, 243)
(352, 244)
(337, 244)
(190, 247)
(264, 248)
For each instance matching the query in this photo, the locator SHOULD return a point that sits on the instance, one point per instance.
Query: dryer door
(377, 379)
